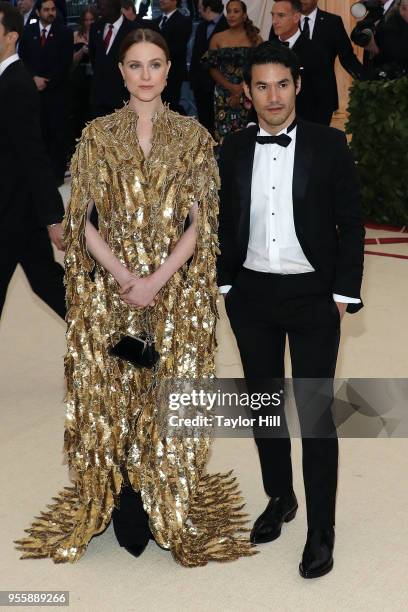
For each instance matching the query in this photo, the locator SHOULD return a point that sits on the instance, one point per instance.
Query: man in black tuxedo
(30, 202)
(328, 32)
(176, 29)
(108, 92)
(291, 239)
(314, 103)
(202, 84)
(46, 50)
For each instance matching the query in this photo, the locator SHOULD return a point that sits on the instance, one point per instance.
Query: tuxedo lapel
(319, 25)
(244, 167)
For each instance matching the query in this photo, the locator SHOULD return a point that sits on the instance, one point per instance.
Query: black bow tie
(283, 140)
(284, 43)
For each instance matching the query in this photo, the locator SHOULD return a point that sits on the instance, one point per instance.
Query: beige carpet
(371, 555)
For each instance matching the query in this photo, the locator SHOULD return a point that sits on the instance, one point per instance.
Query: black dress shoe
(137, 549)
(317, 559)
(268, 525)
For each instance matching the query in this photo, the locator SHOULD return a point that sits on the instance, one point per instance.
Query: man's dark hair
(126, 4)
(214, 5)
(39, 4)
(270, 53)
(11, 19)
(296, 4)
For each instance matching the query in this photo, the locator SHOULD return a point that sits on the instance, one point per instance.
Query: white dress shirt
(46, 28)
(387, 5)
(312, 21)
(115, 30)
(292, 39)
(168, 15)
(273, 246)
(9, 60)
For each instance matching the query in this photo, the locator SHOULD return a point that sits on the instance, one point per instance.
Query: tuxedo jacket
(326, 206)
(330, 35)
(177, 32)
(53, 61)
(199, 75)
(27, 184)
(107, 88)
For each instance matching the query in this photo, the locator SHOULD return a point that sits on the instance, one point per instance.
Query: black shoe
(317, 559)
(137, 549)
(268, 525)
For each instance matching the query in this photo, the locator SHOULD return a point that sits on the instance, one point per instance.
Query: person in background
(129, 10)
(328, 32)
(27, 10)
(227, 56)
(315, 100)
(176, 30)
(31, 208)
(392, 42)
(46, 50)
(81, 74)
(213, 21)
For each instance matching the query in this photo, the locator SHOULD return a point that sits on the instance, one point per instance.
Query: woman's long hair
(81, 22)
(250, 29)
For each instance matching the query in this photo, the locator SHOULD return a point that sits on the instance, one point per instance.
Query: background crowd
(74, 65)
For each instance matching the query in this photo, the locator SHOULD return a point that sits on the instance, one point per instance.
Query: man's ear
(298, 86)
(247, 91)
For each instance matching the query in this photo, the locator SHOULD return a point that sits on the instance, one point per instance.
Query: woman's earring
(124, 82)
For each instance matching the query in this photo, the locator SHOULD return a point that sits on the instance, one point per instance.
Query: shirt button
(273, 240)
(273, 213)
(274, 159)
(273, 187)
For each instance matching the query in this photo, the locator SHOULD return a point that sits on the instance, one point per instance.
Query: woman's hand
(139, 291)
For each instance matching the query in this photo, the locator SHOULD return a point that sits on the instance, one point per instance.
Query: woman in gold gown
(146, 169)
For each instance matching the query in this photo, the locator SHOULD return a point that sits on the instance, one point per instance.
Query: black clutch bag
(138, 350)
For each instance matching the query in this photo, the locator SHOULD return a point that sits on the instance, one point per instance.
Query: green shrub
(378, 122)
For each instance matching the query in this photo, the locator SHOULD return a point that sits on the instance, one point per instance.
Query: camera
(370, 12)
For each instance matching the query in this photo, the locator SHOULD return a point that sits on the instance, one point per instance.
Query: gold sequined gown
(111, 410)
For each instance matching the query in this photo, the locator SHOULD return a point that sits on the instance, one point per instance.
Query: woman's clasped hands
(139, 291)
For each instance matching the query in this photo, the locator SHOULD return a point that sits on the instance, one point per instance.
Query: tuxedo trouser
(30, 246)
(130, 520)
(263, 310)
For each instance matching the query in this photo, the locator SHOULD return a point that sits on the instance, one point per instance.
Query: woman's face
(235, 14)
(88, 21)
(145, 70)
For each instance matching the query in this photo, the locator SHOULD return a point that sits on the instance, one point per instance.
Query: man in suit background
(30, 202)
(314, 102)
(27, 10)
(46, 50)
(328, 32)
(176, 29)
(292, 243)
(213, 21)
(108, 92)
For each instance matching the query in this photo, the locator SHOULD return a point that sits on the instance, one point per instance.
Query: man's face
(285, 20)
(47, 13)
(273, 93)
(24, 6)
(403, 10)
(108, 11)
(308, 6)
(205, 13)
(166, 6)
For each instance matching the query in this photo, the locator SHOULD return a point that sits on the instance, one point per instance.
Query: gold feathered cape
(111, 417)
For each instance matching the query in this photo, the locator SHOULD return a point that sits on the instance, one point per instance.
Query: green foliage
(378, 122)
